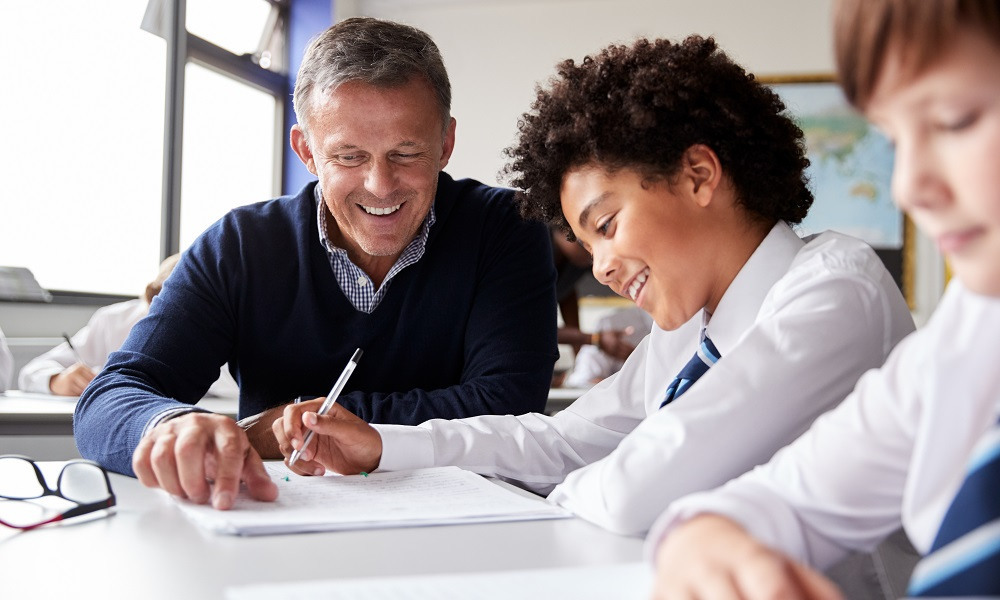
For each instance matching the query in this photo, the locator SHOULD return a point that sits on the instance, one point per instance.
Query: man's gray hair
(376, 52)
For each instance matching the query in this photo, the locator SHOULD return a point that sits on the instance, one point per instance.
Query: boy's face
(945, 124)
(651, 244)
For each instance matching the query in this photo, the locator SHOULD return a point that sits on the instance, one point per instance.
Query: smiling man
(448, 292)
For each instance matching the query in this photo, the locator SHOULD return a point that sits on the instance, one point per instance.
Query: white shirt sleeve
(104, 333)
(533, 450)
(894, 451)
(837, 488)
(6, 364)
(813, 339)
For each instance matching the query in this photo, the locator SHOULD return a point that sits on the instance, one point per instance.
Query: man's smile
(374, 210)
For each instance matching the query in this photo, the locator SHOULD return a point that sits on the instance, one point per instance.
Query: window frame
(183, 47)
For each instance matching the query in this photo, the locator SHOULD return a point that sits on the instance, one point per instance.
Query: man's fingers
(259, 483)
(189, 450)
(164, 463)
(230, 453)
(142, 465)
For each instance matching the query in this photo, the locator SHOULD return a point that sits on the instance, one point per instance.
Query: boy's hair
(865, 31)
(641, 107)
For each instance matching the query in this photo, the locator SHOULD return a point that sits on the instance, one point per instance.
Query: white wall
(496, 51)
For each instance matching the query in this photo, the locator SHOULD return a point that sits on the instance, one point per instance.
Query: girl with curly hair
(682, 175)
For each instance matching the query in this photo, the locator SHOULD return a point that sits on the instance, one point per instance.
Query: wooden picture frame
(850, 172)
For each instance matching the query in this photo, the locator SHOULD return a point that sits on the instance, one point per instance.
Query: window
(82, 154)
(82, 146)
(213, 20)
(229, 151)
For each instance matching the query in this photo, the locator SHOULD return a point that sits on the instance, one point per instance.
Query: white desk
(149, 550)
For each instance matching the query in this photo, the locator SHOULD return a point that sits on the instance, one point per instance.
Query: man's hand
(72, 381)
(184, 454)
(713, 557)
(342, 442)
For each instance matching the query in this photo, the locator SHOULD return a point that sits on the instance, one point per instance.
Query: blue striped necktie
(706, 356)
(964, 559)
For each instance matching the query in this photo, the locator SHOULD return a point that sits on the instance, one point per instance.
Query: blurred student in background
(66, 370)
(592, 364)
(573, 263)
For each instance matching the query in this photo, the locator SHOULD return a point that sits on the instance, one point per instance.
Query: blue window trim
(306, 19)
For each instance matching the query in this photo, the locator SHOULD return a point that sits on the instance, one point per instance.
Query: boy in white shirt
(918, 441)
(679, 173)
(592, 364)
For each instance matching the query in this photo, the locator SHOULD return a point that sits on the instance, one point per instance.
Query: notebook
(420, 497)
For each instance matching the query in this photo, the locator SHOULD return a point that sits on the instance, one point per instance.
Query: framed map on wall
(850, 170)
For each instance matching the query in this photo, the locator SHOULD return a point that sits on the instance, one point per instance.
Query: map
(851, 166)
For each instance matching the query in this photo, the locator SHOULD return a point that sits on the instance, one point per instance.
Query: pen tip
(357, 355)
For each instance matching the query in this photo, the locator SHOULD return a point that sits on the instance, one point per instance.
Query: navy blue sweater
(469, 329)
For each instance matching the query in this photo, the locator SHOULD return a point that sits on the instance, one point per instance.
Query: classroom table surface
(148, 549)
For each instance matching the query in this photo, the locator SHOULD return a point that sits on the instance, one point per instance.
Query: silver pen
(331, 399)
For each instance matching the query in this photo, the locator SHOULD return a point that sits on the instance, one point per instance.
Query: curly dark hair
(641, 107)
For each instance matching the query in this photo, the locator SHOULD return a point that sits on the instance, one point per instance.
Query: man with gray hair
(446, 290)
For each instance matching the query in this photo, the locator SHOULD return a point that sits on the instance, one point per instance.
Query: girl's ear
(701, 173)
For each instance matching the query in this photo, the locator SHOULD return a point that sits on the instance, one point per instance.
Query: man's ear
(300, 144)
(701, 173)
(448, 144)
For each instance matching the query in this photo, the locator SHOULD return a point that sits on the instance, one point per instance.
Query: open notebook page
(433, 496)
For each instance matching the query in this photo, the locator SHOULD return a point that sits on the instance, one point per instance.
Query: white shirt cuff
(405, 447)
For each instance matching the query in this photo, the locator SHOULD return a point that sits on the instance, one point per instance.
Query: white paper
(621, 582)
(434, 496)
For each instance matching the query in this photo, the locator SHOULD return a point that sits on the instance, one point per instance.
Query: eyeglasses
(26, 499)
